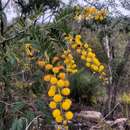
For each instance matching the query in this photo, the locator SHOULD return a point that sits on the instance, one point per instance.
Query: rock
(110, 123)
(120, 123)
(93, 116)
(93, 120)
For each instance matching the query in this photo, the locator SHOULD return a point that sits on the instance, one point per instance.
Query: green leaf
(19, 124)
(17, 106)
(2, 109)
(41, 106)
(29, 115)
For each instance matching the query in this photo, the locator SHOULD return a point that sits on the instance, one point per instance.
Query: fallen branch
(98, 125)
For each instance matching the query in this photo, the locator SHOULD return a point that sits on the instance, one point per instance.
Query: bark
(110, 88)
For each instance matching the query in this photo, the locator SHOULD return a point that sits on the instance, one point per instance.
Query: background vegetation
(23, 93)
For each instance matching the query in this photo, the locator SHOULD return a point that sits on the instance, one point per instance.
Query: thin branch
(11, 38)
(6, 103)
(6, 4)
(36, 118)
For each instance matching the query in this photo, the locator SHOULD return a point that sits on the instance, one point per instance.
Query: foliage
(85, 86)
(23, 90)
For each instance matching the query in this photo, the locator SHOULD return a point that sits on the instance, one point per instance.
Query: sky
(11, 12)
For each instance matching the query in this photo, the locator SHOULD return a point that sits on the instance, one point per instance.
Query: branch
(6, 4)
(36, 118)
(10, 38)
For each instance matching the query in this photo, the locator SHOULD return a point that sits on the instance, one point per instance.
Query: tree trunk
(122, 72)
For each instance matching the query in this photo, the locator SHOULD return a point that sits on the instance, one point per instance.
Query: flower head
(69, 115)
(66, 105)
(61, 75)
(51, 92)
(65, 91)
(48, 66)
(60, 83)
(47, 77)
(56, 113)
(59, 119)
(52, 105)
(53, 80)
(57, 98)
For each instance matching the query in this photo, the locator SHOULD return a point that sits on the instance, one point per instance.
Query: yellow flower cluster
(86, 54)
(89, 13)
(29, 49)
(58, 92)
(71, 67)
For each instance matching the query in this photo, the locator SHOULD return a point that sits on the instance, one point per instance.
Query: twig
(6, 4)
(11, 106)
(5, 103)
(32, 122)
(10, 38)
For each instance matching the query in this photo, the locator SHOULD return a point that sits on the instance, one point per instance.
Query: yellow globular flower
(101, 18)
(93, 10)
(56, 113)
(96, 61)
(74, 66)
(65, 91)
(74, 46)
(85, 45)
(57, 98)
(88, 64)
(40, 63)
(90, 54)
(89, 59)
(47, 77)
(53, 80)
(69, 115)
(52, 105)
(94, 67)
(66, 105)
(55, 69)
(84, 52)
(66, 83)
(97, 17)
(103, 73)
(60, 83)
(61, 75)
(89, 49)
(83, 57)
(48, 66)
(101, 68)
(69, 38)
(59, 119)
(78, 39)
(51, 92)
(68, 101)
(53, 87)
(74, 71)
